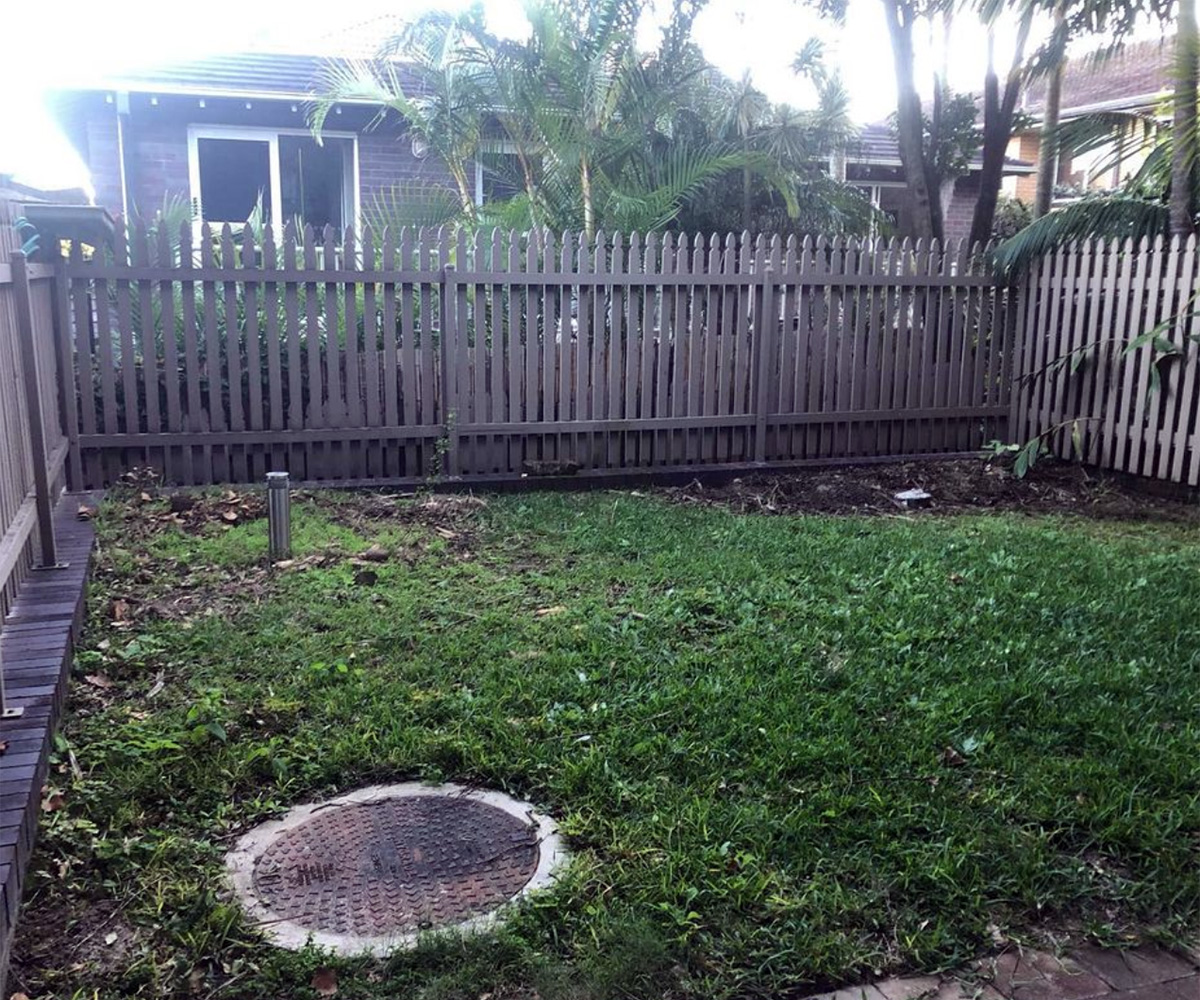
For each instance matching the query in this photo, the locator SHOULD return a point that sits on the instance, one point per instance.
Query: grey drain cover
(370, 870)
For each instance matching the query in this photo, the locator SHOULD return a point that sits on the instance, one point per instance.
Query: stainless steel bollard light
(279, 516)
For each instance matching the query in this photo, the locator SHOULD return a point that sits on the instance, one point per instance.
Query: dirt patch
(956, 487)
(453, 517)
(68, 938)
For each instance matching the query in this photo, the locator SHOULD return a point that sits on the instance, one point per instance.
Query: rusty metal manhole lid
(371, 870)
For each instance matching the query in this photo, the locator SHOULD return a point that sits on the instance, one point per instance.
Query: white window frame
(504, 146)
(250, 133)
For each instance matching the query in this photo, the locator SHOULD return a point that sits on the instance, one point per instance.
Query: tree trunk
(1048, 145)
(466, 192)
(746, 186)
(998, 112)
(925, 208)
(589, 210)
(1183, 130)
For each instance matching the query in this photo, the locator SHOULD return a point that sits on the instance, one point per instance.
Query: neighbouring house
(873, 163)
(1137, 79)
(224, 132)
(227, 131)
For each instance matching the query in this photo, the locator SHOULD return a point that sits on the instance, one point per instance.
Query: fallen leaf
(159, 684)
(85, 513)
(324, 981)
(19, 996)
(376, 553)
(195, 979)
(956, 578)
(952, 758)
(558, 609)
(229, 515)
(110, 937)
(3, 746)
(145, 497)
(99, 680)
(53, 802)
(120, 610)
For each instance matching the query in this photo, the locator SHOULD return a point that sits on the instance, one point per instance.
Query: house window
(235, 174)
(498, 175)
(234, 170)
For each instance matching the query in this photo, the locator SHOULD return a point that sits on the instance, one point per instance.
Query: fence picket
(369, 392)
(1163, 319)
(398, 375)
(232, 349)
(660, 449)
(299, 453)
(564, 339)
(272, 303)
(630, 402)
(1186, 410)
(581, 401)
(255, 457)
(1144, 321)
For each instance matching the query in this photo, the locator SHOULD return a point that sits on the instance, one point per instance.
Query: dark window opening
(234, 175)
(312, 180)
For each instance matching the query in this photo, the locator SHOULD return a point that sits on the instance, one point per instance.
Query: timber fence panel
(401, 355)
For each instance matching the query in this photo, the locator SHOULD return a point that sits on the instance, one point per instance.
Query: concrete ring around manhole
(372, 870)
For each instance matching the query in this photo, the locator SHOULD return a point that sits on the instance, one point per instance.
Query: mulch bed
(957, 487)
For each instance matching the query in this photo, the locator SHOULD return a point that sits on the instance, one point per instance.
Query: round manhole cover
(371, 870)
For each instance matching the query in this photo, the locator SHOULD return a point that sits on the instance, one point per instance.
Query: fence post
(33, 406)
(764, 329)
(68, 406)
(449, 376)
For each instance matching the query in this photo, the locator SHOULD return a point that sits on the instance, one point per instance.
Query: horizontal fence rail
(347, 357)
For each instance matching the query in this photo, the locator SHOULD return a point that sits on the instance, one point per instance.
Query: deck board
(36, 641)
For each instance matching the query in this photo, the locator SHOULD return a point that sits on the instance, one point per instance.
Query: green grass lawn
(784, 750)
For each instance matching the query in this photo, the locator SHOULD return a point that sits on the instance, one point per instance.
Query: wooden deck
(36, 644)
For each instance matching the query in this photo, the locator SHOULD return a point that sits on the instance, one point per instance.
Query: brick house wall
(961, 208)
(1026, 146)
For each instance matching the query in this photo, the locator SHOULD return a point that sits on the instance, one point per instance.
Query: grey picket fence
(415, 355)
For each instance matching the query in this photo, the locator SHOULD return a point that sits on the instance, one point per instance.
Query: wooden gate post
(764, 340)
(33, 406)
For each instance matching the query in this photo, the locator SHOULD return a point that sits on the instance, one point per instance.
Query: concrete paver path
(1082, 973)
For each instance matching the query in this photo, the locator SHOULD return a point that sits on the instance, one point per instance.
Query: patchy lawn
(786, 750)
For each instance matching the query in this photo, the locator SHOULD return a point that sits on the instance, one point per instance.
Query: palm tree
(1162, 195)
(440, 94)
(1183, 149)
(591, 119)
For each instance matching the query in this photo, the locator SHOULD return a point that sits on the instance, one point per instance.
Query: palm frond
(411, 203)
(1101, 217)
